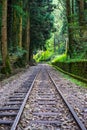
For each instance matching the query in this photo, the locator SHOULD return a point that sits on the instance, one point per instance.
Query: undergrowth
(52, 57)
(43, 56)
(59, 58)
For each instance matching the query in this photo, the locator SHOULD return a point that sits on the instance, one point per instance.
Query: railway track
(11, 112)
(46, 108)
(76, 118)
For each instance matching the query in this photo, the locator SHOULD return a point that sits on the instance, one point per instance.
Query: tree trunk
(4, 32)
(81, 17)
(30, 55)
(54, 44)
(9, 24)
(15, 29)
(20, 28)
(70, 43)
(28, 39)
(5, 58)
(81, 12)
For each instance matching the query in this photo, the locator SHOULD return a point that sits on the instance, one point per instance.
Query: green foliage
(43, 56)
(20, 62)
(20, 12)
(46, 17)
(18, 56)
(41, 26)
(50, 43)
(61, 48)
(59, 58)
(17, 51)
(20, 52)
(63, 58)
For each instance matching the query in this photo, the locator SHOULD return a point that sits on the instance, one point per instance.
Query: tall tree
(28, 39)
(81, 12)
(26, 31)
(9, 23)
(70, 42)
(4, 32)
(20, 24)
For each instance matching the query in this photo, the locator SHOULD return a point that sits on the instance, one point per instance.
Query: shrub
(59, 58)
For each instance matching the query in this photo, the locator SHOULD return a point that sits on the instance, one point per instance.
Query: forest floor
(75, 95)
(14, 72)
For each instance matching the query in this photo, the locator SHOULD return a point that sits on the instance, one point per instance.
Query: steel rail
(78, 121)
(17, 119)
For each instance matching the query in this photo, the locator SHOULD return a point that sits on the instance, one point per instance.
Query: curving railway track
(39, 105)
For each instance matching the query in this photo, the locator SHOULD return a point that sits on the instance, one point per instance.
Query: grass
(77, 82)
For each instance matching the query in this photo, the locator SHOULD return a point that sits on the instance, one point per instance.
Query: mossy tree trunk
(5, 58)
(4, 32)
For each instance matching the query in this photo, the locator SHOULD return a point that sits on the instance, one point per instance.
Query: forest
(52, 31)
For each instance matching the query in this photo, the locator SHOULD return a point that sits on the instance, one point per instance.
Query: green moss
(8, 65)
(7, 69)
(71, 79)
(72, 75)
(76, 68)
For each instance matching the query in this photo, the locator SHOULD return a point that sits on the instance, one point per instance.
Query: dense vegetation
(69, 41)
(24, 27)
(51, 30)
